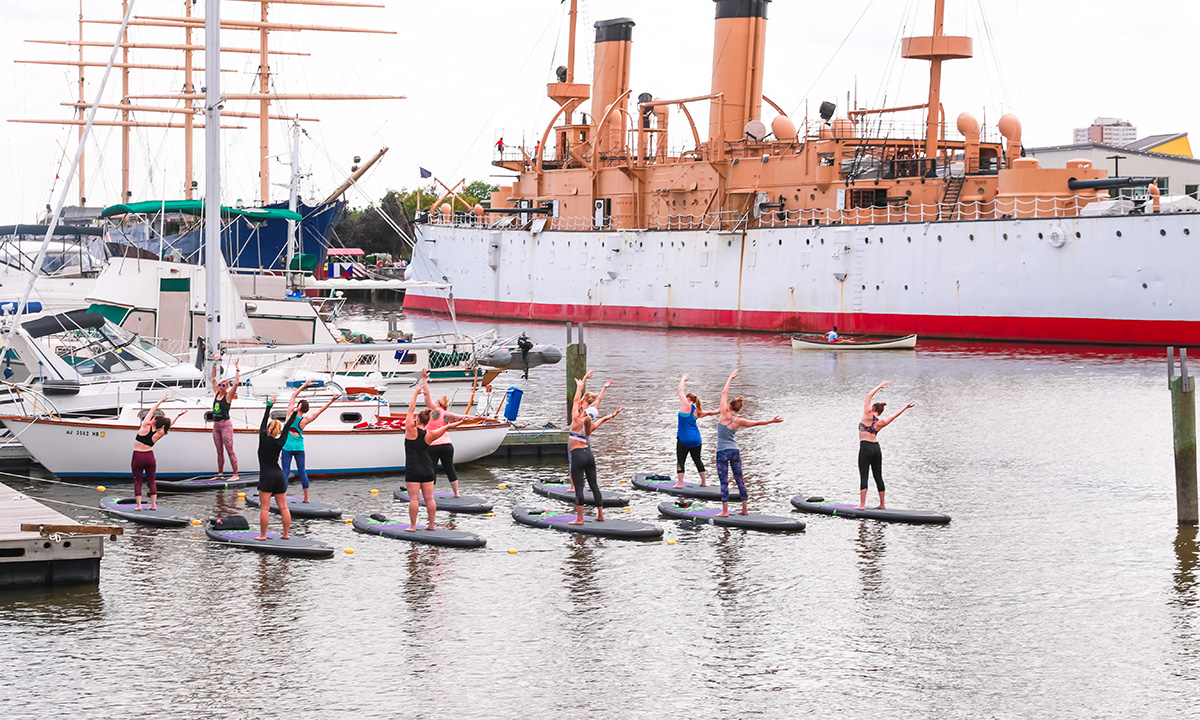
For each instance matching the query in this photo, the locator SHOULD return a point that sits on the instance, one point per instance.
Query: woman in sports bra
(870, 457)
(581, 461)
(222, 427)
(687, 435)
(153, 428)
(442, 449)
(729, 455)
(418, 465)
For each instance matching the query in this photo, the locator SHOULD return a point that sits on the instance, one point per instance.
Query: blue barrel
(512, 403)
(300, 383)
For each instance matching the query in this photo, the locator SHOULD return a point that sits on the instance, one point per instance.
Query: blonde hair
(695, 401)
(444, 402)
(274, 428)
(590, 397)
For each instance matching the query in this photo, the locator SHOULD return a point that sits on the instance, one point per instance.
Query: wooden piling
(1183, 417)
(576, 356)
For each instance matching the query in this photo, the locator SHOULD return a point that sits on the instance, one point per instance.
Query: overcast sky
(473, 69)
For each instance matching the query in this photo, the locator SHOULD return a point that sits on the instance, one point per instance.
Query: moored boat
(818, 342)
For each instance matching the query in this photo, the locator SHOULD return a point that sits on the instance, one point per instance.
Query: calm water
(1061, 589)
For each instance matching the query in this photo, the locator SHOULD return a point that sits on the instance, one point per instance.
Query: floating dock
(54, 550)
(533, 442)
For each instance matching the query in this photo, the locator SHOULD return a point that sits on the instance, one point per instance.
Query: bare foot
(412, 528)
(860, 507)
(139, 507)
(261, 537)
(724, 514)
(744, 512)
(457, 495)
(431, 527)
(677, 485)
(575, 522)
(881, 508)
(703, 483)
(285, 537)
(232, 478)
(600, 517)
(305, 500)
(220, 476)
(153, 507)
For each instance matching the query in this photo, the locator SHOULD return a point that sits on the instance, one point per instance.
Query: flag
(425, 173)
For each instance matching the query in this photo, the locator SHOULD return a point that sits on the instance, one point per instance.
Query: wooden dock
(549, 443)
(61, 556)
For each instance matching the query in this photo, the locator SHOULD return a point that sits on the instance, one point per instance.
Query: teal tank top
(295, 438)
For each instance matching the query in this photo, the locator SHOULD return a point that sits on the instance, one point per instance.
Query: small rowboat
(818, 342)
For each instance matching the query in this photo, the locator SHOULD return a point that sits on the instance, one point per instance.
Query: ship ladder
(949, 204)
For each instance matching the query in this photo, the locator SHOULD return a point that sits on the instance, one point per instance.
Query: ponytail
(695, 401)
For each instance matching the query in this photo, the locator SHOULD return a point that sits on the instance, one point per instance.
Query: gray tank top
(725, 439)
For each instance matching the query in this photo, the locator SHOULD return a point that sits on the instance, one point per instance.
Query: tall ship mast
(803, 224)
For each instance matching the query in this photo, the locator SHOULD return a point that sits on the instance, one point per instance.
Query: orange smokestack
(738, 48)
(610, 81)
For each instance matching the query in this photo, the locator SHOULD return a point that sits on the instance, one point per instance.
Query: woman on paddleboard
(442, 449)
(729, 455)
(293, 445)
(271, 481)
(870, 457)
(153, 428)
(222, 428)
(687, 435)
(580, 460)
(418, 465)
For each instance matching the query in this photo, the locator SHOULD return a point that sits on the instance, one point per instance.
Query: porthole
(908, 193)
(971, 237)
(880, 241)
(797, 197)
(1187, 232)
(807, 241)
(876, 287)
(705, 243)
(680, 243)
(866, 241)
(1078, 235)
(864, 287)
(910, 238)
(351, 417)
(822, 241)
(905, 287)
(1005, 236)
(1039, 236)
(813, 196)
(939, 238)
(1118, 233)
(1163, 232)
(780, 241)
(1143, 286)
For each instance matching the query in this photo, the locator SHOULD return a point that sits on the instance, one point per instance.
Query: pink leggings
(143, 462)
(223, 438)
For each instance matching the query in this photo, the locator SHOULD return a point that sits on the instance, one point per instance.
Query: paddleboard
(564, 491)
(446, 501)
(664, 483)
(126, 509)
(378, 524)
(301, 509)
(847, 510)
(623, 529)
(207, 482)
(229, 531)
(700, 513)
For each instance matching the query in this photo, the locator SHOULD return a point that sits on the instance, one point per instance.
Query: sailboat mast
(126, 129)
(212, 176)
(82, 111)
(293, 201)
(188, 119)
(264, 110)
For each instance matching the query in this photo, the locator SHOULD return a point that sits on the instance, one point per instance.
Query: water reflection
(871, 549)
(1185, 571)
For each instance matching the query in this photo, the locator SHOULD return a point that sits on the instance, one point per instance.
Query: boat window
(351, 417)
(106, 363)
(156, 352)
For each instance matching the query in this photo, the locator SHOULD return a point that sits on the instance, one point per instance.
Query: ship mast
(936, 49)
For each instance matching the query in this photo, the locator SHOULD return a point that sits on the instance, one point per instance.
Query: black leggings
(444, 453)
(681, 453)
(584, 463)
(870, 457)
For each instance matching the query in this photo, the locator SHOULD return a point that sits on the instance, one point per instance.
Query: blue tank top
(725, 439)
(688, 433)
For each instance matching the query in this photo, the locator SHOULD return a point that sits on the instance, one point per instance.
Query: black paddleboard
(230, 532)
(623, 529)
(699, 513)
(818, 505)
(398, 530)
(446, 501)
(126, 509)
(301, 509)
(663, 484)
(564, 491)
(207, 482)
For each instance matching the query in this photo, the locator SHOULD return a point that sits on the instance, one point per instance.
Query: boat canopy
(64, 322)
(196, 207)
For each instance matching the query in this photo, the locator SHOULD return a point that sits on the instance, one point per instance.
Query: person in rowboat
(729, 455)
(687, 435)
(222, 428)
(870, 457)
(293, 446)
(580, 460)
(441, 450)
(154, 427)
(419, 474)
(271, 481)
(832, 335)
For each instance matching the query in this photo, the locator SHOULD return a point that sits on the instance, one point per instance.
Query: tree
(481, 191)
(366, 229)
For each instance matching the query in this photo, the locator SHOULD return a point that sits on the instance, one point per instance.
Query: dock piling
(1183, 417)
(576, 356)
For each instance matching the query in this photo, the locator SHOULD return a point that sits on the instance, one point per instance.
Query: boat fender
(816, 498)
(1057, 237)
(683, 503)
(233, 522)
(378, 517)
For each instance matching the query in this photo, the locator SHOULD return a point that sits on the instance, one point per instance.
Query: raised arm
(292, 402)
(237, 374)
(215, 363)
(303, 423)
(885, 423)
(600, 397)
(741, 422)
(871, 397)
(685, 405)
(428, 395)
(725, 392)
(580, 389)
(600, 421)
(148, 419)
(410, 425)
(267, 414)
(431, 435)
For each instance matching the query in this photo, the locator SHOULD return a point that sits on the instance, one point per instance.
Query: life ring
(1057, 237)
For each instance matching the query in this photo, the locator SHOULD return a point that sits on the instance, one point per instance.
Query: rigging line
(891, 61)
(483, 127)
(832, 58)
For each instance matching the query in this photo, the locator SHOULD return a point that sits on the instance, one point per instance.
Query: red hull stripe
(1038, 329)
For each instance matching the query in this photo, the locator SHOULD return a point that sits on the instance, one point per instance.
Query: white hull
(904, 343)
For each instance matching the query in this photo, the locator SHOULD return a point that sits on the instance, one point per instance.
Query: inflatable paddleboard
(126, 509)
(235, 530)
(446, 501)
(378, 524)
(623, 529)
(301, 509)
(818, 505)
(564, 491)
(207, 482)
(700, 513)
(663, 484)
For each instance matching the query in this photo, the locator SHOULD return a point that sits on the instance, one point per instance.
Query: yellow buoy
(349, 520)
(670, 542)
(490, 515)
(512, 551)
(241, 496)
(502, 486)
(101, 488)
(374, 492)
(349, 551)
(195, 522)
(624, 481)
(627, 508)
